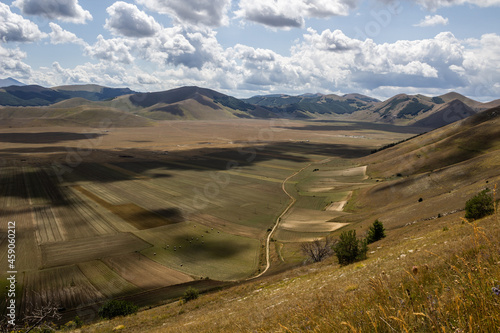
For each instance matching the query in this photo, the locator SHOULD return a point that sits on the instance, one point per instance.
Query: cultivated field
(111, 212)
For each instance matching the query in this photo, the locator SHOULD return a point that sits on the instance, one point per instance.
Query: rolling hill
(70, 113)
(33, 95)
(93, 92)
(195, 103)
(312, 105)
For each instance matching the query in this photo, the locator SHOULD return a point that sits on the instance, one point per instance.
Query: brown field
(97, 207)
(86, 249)
(145, 273)
(64, 286)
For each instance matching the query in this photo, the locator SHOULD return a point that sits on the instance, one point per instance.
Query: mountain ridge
(198, 103)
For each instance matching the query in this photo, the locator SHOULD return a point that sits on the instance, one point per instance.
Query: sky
(254, 47)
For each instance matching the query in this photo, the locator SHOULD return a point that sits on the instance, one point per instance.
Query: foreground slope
(433, 272)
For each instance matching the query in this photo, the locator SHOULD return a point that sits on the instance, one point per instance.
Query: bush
(479, 206)
(115, 308)
(190, 294)
(349, 249)
(317, 250)
(376, 232)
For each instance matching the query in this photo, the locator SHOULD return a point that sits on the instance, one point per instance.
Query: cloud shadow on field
(44, 178)
(46, 137)
(335, 125)
(207, 248)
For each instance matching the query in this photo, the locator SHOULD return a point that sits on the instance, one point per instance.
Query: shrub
(317, 250)
(115, 308)
(376, 232)
(190, 294)
(349, 249)
(479, 206)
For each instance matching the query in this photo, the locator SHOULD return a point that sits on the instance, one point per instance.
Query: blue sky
(250, 47)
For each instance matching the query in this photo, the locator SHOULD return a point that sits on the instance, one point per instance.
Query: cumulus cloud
(113, 50)
(288, 14)
(331, 40)
(436, 4)
(196, 12)
(127, 20)
(102, 73)
(248, 53)
(15, 28)
(61, 36)
(65, 10)
(11, 63)
(358, 65)
(430, 21)
(183, 46)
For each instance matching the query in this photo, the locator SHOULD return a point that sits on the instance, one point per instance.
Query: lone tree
(349, 248)
(479, 206)
(317, 250)
(376, 232)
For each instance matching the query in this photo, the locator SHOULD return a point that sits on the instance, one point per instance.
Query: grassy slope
(430, 274)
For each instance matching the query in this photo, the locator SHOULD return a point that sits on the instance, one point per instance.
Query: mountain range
(195, 103)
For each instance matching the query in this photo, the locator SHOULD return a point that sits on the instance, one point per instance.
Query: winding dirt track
(278, 220)
(290, 205)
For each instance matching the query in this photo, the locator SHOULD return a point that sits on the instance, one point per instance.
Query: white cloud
(61, 36)
(481, 67)
(11, 63)
(436, 4)
(196, 12)
(430, 21)
(147, 79)
(255, 55)
(113, 50)
(65, 10)
(288, 14)
(127, 20)
(15, 28)
(331, 40)
(103, 73)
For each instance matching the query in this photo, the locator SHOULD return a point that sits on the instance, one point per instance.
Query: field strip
(108, 282)
(133, 214)
(189, 165)
(144, 272)
(276, 167)
(229, 171)
(225, 159)
(249, 175)
(124, 171)
(87, 249)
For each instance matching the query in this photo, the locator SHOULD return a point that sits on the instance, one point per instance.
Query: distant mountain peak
(10, 82)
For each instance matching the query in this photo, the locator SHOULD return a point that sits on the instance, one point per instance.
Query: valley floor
(142, 213)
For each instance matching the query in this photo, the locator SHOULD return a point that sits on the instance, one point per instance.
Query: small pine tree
(479, 206)
(376, 232)
(348, 248)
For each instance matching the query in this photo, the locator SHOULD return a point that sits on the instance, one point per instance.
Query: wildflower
(496, 290)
